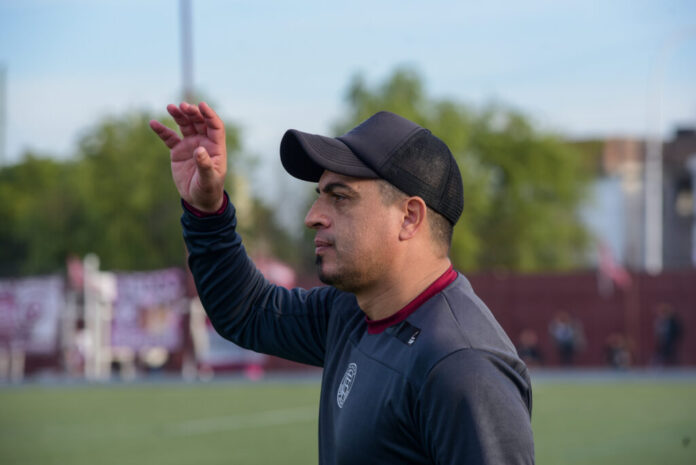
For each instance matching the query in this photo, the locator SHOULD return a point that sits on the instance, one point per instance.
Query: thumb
(206, 193)
(204, 164)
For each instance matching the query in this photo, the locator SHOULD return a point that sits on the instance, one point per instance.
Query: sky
(579, 68)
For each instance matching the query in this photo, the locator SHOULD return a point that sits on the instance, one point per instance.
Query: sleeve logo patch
(346, 384)
(413, 337)
(407, 333)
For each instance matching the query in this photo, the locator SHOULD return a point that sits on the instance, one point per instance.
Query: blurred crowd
(568, 339)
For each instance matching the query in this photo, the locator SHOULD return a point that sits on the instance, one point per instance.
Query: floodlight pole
(654, 196)
(3, 115)
(186, 50)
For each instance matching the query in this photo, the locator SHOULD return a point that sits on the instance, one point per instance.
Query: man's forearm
(241, 304)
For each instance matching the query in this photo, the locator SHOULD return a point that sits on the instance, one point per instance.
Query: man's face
(356, 232)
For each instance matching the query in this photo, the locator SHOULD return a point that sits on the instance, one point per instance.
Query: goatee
(322, 276)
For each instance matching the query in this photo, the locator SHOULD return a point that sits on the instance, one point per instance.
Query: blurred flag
(610, 272)
(76, 272)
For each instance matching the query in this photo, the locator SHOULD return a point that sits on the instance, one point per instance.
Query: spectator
(617, 351)
(668, 333)
(528, 348)
(568, 336)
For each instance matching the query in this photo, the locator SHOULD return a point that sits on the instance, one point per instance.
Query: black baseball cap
(385, 146)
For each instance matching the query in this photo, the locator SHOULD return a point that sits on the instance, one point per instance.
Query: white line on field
(250, 420)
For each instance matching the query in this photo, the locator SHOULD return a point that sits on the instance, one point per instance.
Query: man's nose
(315, 219)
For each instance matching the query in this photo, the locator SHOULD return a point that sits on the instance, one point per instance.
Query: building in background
(679, 209)
(623, 162)
(617, 215)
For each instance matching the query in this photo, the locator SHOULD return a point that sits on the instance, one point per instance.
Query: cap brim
(306, 156)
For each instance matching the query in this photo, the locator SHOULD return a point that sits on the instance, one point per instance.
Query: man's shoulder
(455, 320)
(457, 317)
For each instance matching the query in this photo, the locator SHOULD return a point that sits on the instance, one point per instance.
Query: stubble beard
(348, 280)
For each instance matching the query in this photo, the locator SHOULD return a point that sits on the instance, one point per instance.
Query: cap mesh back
(424, 166)
(454, 195)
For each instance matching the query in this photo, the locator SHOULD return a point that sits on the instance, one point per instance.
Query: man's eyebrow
(333, 186)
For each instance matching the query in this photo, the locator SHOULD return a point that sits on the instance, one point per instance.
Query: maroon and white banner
(148, 310)
(29, 313)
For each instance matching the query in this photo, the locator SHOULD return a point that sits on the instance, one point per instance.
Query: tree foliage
(38, 210)
(115, 198)
(522, 187)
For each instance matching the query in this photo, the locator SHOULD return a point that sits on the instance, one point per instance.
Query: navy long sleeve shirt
(443, 386)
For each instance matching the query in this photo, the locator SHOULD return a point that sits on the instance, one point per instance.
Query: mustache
(323, 241)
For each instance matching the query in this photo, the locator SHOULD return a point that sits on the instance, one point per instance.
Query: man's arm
(474, 408)
(241, 304)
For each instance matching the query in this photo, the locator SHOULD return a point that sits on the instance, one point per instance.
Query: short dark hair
(440, 226)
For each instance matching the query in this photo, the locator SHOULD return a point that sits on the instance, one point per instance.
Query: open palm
(199, 157)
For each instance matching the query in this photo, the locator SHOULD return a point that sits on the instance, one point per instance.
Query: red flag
(76, 273)
(612, 270)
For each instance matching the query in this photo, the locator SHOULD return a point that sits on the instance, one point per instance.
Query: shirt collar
(378, 326)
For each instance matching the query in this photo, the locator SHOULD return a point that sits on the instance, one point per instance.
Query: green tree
(522, 187)
(114, 198)
(40, 211)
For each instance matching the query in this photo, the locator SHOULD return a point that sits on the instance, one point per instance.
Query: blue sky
(581, 68)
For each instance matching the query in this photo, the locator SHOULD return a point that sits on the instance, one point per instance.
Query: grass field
(605, 422)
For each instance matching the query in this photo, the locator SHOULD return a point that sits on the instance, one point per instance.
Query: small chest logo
(346, 384)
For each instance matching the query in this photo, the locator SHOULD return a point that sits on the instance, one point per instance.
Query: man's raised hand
(199, 157)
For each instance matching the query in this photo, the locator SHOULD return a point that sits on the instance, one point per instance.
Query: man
(416, 369)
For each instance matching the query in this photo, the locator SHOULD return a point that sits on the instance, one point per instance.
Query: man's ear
(414, 209)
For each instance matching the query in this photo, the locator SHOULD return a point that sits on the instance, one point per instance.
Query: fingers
(193, 120)
(216, 128)
(168, 136)
(185, 124)
(193, 113)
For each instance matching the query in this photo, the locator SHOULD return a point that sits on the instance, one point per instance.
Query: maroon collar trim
(378, 326)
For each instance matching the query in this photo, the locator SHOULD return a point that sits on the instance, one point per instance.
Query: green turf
(651, 423)
(590, 423)
(172, 424)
